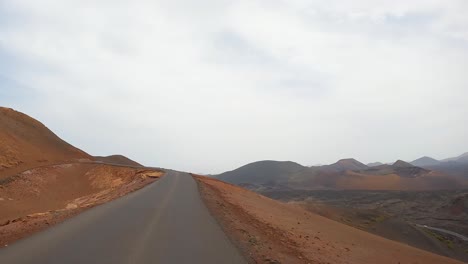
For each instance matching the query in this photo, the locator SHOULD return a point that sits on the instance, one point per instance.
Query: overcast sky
(207, 86)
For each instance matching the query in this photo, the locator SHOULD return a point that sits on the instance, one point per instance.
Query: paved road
(165, 222)
(460, 236)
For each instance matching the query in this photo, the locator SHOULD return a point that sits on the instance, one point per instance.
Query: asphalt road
(460, 236)
(165, 222)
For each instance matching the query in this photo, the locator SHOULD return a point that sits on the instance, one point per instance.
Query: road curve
(165, 222)
(460, 236)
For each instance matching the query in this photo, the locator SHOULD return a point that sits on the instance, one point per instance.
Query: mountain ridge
(346, 174)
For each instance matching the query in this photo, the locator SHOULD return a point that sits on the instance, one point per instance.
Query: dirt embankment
(268, 231)
(40, 197)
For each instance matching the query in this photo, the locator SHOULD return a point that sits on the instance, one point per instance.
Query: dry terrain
(394, 214)
(268, 231)
(40, 197)
(26, 143)
(44, 180)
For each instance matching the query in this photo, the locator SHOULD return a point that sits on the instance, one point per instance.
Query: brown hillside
(268, 231)
(44, 180)
(26, 143)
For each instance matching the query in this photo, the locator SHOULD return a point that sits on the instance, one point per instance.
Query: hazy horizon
(210, 86)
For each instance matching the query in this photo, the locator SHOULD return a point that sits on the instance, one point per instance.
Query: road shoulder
(21, 225)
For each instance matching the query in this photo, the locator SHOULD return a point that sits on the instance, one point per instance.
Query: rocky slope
(26, 143)
(268, 231)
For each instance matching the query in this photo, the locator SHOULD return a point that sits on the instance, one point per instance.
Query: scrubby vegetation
(441, 238)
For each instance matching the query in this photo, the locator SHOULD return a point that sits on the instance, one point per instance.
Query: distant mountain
(344, 165)
(346, 174)
(262, 172)
(374, 164)
(462, 158)
(405, 169)
(456, 166)
(402, 164)
(26, 143)
(117, 159)
(425, 161)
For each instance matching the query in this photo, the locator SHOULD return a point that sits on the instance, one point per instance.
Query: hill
(117, 159)
(462, 158)
(406, 169)
(262, 172)
(401, 164)
(347, 174)
(425, 161)
(373, 164)
(26, 143)
(456, 166)
(44, 180)
(344, 165)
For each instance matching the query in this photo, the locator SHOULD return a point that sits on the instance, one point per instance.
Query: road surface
(165, 222)
(460, 236)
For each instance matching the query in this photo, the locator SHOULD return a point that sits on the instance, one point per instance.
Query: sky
(207, 86)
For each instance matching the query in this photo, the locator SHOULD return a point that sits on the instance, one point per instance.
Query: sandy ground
(41, 197)
(268, 231)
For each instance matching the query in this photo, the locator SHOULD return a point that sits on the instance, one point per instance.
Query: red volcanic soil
(44, 180)
(268, 231)
(26, 143)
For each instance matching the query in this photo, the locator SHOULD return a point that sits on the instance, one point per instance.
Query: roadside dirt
(394, 215)
(268, 231)
(41, 197)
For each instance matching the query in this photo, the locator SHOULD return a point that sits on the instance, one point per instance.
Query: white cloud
(206, 86)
